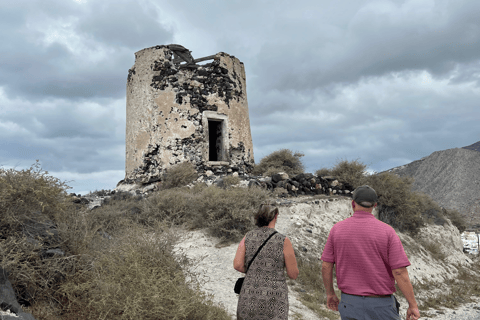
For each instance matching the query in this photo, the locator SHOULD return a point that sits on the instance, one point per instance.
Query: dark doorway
(215, 140)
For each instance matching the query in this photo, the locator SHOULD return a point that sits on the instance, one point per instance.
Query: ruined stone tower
(186, 112)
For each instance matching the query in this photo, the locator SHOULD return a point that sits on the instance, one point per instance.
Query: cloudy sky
(385, 82)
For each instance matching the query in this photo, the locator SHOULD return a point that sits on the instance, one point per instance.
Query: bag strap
(259, 250)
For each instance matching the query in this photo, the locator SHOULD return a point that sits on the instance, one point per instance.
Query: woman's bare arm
(239, 261)
(290, 260)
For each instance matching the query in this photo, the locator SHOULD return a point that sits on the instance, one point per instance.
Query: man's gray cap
(364, 193)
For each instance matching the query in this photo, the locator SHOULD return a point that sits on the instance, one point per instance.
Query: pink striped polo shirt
(364, 250)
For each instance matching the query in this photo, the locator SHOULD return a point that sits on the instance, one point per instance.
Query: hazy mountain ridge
(451, 177)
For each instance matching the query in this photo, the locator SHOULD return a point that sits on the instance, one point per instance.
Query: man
(369, 258)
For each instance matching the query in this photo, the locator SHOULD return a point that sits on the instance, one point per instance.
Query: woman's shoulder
(281, 237)
(262, 230)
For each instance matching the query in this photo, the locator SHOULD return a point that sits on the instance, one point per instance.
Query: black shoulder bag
(239, 283)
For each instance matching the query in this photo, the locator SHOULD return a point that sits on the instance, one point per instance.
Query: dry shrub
(172, 206)
(398, 205)
(310, 277)
(32, 200)
(314, 297)
(283, 160)
(280, 191)
(226, 213)
(34, 274)
(456, 218)
(139, 277)
(123, 274)
(229, 181)
(434, 248)
(115, 214)
(179, 175)
(323, 172)
(351, 172)
(28, 194)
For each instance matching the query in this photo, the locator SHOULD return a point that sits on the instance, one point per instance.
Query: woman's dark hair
(265, 214)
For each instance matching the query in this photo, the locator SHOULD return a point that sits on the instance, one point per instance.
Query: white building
(470, 242)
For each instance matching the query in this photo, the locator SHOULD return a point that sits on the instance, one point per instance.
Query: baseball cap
(364, 193)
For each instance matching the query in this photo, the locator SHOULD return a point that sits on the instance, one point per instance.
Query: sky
(381, 82)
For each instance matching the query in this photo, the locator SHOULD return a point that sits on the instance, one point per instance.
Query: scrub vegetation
(310, 286)
(283, 160)
(116, 261)
(452, 292)
(398, 205)
(179, 175)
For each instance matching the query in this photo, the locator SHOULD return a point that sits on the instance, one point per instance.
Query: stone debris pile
(299, 185)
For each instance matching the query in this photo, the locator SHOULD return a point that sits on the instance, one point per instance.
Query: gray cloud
(376, 41)
(87, 56)
(386, 82)
(134, 25)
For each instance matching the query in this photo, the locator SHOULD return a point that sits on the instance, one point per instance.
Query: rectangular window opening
(215, 140)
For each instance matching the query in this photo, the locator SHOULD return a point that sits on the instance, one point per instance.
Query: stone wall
(177, 114)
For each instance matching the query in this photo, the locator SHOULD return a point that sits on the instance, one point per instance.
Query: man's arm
(327, 275)
(403, 281)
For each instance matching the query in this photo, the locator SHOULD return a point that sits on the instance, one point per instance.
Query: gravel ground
(469, 311)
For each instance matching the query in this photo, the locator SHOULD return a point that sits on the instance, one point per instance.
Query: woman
(264, 293)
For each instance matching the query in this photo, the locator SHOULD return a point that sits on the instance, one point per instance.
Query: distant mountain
(475, 146)
(451, 177)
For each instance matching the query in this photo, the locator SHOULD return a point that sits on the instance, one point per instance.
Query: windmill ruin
(180, 111)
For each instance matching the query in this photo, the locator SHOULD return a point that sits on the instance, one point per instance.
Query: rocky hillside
(307, 222)
(451, 177)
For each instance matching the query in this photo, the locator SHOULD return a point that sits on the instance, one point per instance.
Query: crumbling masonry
(186, 112)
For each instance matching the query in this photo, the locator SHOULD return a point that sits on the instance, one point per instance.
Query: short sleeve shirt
(365, 251)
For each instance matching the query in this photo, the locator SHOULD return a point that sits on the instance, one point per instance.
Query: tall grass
(115, 262)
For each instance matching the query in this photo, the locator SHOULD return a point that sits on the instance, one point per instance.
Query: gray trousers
(367, 308)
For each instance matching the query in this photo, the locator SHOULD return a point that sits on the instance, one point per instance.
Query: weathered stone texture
(171, 109)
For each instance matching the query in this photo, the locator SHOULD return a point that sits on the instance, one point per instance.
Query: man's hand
(332, 302)
(327, 275)
(413, 313)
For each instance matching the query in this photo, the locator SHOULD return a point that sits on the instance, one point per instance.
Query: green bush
(179, 175)
(280, 161)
